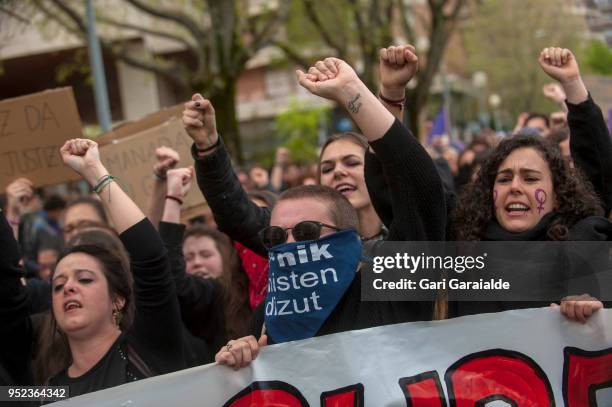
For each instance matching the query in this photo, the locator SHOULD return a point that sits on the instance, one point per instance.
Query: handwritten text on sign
(32, 130)
(132, 159)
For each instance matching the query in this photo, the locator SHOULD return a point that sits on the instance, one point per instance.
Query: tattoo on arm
(354, 105)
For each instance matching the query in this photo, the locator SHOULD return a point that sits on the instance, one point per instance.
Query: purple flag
(440, 126)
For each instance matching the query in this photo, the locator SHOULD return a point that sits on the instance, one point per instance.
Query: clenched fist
(199, 122)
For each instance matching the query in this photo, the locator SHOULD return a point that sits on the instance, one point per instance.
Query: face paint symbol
(540, 197)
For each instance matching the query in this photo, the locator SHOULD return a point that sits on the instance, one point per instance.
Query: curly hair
(575, 197)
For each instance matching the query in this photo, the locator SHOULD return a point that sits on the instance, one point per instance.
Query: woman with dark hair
(212, 289)
(342, 163)
(525, 191)
(92, 299)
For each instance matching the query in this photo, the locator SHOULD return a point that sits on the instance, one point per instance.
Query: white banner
(516, 358)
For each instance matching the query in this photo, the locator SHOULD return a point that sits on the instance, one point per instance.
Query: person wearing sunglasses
(314, 285)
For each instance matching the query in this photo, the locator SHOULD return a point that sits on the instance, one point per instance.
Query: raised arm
(234, 213)
(167, 159)
(156, 328)
(418, 206)
(397, 66)
(18, 193)
(590, 143)
(82, 155)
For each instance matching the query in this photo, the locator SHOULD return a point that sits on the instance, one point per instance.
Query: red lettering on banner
(350, 396)
(423, 390)
(498, 374)
(272, 393)
(585, 372)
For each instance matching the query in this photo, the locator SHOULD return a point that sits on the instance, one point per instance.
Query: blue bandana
(306, 282)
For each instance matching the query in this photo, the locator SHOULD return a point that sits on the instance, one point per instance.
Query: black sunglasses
(305, 230)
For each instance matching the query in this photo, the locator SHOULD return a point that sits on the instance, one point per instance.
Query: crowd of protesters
(95, 292)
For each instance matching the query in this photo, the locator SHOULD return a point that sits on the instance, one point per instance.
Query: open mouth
(517, 209)
(345, 189)
(72, 305)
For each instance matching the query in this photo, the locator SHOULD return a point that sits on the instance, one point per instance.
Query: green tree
(218, 39)
(298, 130)
(355, 30)
(505, 39)
(598, 58)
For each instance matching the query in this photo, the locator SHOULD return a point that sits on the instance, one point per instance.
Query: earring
(117, 317)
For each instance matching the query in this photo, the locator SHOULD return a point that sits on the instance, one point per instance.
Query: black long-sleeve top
(201, 300)
(155, 336)
(15, 324)
(418, 207)
(234, 213)
(591, 147)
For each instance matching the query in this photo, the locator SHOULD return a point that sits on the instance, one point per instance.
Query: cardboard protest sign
(32, 130)
(131, 159)
(523, 358)
(130, 128)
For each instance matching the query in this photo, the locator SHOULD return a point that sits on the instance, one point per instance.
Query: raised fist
(199, 122)
(560, 64)
(328, 78)
(82, 155)
(554, 92)
(398, 65)
(282, 156)
(167, 159)
(179, 181)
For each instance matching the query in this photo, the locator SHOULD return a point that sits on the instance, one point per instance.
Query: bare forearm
(366, 110)
(276, 178)
(172, 211)
(575, 91)
(393, 94)
(123, 211)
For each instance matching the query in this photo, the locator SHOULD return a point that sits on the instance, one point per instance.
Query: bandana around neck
(306, 282)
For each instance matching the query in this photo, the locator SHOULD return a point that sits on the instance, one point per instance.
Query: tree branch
(167, 72)
(405, 22)
(361, 34)
(177, 17)
(314, 18)
(144, 30)
(14, 15)
(288, 50)
(265, 34)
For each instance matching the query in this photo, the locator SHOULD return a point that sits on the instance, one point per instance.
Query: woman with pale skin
(525, 191)
(110, 334)
(416, 195)
(211, 286)
(341, 162)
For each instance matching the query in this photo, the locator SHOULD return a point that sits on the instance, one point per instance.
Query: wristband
(209, 148)
(397, 103)
(106, 179)
(175, 198)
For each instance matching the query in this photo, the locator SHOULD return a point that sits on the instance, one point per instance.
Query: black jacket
(591, 147)
(418, 206)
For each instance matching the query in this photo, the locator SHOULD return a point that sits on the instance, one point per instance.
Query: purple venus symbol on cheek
(540, 197)
(495, 199)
